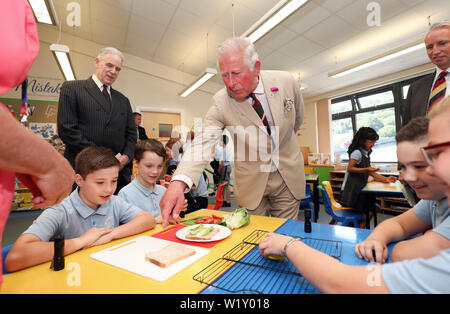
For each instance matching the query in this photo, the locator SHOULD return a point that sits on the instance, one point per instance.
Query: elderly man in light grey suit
(262, 110)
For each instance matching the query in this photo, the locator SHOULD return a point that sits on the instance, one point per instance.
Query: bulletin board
(44, 118)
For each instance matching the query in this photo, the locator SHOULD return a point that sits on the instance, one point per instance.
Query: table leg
(316, 200)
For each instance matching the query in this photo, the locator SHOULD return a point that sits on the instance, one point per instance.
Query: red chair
(220, 194)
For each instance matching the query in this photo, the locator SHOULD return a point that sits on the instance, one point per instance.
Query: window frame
(398, 104)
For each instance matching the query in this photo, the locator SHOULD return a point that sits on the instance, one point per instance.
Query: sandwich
(202, 232)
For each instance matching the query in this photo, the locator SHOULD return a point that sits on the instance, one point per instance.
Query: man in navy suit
(141, 134)
(437, 43)
(91, 112)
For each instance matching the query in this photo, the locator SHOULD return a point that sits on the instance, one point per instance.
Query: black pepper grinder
(307, 221)
(58, 257)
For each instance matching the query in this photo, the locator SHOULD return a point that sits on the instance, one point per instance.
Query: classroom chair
(5, 251)
(220, 195)
(307, 203)
(344, 216)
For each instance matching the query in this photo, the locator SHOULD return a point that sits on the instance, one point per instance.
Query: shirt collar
(260, 88)
(143, 189)
(438, 71)
(442, 204)
(84, 210)
(100, 84)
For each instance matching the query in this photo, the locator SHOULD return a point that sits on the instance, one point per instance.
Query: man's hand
(172, 202)
(123, 159)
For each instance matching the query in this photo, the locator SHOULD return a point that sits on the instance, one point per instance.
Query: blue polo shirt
(135, 193)
(72, 217)
(419, 275)
(436, 214)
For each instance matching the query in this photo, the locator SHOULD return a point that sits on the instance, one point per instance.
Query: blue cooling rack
(244, 270)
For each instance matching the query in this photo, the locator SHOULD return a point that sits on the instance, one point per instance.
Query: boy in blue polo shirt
(430, 215)
(90, 216)
(149, 158)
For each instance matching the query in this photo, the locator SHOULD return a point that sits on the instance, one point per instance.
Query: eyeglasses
(432, 152)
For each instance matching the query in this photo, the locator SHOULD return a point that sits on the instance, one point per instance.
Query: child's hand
(367, 249)
(273, 244)
(372, 169)
(105, 238)
(392, 179)
(92, 235)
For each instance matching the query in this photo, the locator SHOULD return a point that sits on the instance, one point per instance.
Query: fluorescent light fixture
(209, 73)
(395, 53)
(62, 56)
(44, 11)
(271, 19)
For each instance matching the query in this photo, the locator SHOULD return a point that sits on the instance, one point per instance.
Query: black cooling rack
(244, 270)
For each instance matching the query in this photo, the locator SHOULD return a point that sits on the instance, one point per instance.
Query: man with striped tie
(424, 93)
(262, 110)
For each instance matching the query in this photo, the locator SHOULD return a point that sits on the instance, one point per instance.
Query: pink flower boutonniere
(274, 89)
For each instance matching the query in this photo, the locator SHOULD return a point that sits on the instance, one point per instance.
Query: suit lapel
(96, 94)
(273, 98)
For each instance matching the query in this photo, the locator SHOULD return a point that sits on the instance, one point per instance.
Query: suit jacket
(253, 149)
(416, 104)
(142, 134)
(86, 119)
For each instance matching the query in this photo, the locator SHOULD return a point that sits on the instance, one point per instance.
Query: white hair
(238, 44)
(439, 25)
(110, 50)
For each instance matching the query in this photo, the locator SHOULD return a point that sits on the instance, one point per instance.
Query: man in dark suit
(140, 131)
(437, 43)
(91, 113)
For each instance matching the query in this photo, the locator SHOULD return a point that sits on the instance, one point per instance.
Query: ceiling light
(62, 56)
(391, 54)
(271, 19)
(209, 73)
(44, 11)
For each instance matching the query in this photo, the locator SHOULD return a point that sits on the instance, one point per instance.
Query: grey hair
(238, 44)
(110, 50)
(439, 25)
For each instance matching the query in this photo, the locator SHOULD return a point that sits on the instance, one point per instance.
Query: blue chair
(5, 251)
(307, 202)
(344, 216)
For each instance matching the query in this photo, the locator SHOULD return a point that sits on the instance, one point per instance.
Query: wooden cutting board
(130, 256)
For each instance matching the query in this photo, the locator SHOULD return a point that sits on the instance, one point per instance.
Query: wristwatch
(289, 243)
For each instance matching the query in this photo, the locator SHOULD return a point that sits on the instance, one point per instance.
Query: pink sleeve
(18, 32)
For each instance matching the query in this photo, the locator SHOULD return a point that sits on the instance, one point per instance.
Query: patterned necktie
(438, 91)
(106, 94)
(260, 111)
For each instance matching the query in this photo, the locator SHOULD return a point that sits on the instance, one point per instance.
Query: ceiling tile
(154, 10)
(331, 32)
(305, 18)
(300, 48)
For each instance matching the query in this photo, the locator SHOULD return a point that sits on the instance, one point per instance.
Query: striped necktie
(106, 94)
(438, 91)
(260, 111)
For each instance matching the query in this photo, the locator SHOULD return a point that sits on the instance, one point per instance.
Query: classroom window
(382, 121)
(375, 100)
(342, 106)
